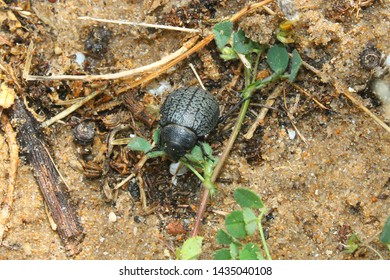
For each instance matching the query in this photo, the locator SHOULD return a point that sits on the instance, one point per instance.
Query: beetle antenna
(225, 116)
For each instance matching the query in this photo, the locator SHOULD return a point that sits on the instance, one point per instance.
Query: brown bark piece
(53, 188)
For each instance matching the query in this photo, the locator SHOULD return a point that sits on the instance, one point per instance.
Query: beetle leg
(225, 116)
(203, 151)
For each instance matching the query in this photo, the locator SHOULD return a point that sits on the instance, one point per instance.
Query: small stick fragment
(71, 109)
(197, 75)
(260, 118)
(310, 96)
(5, 40)
(14, 162)
(142, 24)
(222, 213)
(27, 63)
(122, 183)
(142, 192)
(363, 108)
(297, 130)
(50, 181)
(140, 163)
(343, 89)
(325, 78)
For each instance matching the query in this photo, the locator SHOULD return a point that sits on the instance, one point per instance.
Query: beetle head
(176, 141)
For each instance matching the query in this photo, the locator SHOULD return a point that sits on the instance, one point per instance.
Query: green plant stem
(206, 178)
(375, 251)
(248, 91)
(256, 66)
(247, 75)
(199, 213)
(190, 167)
(265, 247)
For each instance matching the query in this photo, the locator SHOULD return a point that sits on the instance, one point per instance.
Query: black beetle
(186, 115)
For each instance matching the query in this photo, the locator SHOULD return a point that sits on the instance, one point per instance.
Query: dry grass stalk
(142, 24)
(197, 76)
(71, 109)
(340, 88)
(167, 66)
(124, 181)
(205, 41)
(111, 76)
(355, 101)
(310, 96)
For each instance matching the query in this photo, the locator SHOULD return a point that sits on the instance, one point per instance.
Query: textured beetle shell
(191, 107)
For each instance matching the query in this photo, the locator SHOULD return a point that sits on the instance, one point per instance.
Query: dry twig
(204, 42)
(197, 75)
(50, 181)
(260, 118)
(72, 108)
(111, 76)
(142, 24)
(343, 89)
(310, 96)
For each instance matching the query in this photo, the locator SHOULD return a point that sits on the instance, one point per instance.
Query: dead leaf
(7, 96)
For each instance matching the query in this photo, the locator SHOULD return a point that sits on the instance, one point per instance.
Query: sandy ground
(317, 193)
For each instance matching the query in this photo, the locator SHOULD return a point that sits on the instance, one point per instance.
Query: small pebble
(80, 59)
(112, 217)
(57, 50)
(291, 133)
(167, 253)
(176, 228)
(177, 169)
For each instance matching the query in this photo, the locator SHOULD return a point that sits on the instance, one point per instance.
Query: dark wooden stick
(51, 184)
